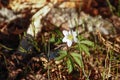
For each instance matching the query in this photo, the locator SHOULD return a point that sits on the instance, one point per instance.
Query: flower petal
(64, 39)
(74, 33)
(65, 32)
(69, 43)
(69, 33)
(75, 39)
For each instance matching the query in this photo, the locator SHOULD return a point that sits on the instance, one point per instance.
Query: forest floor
(42, 53)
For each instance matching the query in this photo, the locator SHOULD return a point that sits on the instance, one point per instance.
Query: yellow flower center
(70, 37)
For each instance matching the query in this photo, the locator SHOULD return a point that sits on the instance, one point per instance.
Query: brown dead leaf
(118, 39)
(108, 44)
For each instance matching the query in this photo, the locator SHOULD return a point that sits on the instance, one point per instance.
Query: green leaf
(69, 65)
(77, 58)
(85, 49)
(58, 32)
(75, 54)
(52, 39)
(21, 49)
(1, 45)
(80, 37)
(58, 41)
(62, 55)
(87, 42)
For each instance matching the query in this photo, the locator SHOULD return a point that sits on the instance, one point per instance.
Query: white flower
(69, 37)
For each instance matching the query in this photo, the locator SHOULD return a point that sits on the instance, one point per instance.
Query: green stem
(87, 78)
(110, 6)
(5, 47)
(48, 71)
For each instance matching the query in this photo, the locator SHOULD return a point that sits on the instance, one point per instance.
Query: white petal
(69, 43)
(74, 33)
(64, 39)
(75, 39)
(65, 32)
(69, 33)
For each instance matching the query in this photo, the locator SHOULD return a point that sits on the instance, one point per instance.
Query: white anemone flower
(69, 37)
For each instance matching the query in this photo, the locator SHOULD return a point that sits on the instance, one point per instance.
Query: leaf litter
(98, 25)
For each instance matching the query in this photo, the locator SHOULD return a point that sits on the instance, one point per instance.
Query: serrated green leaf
(77, 58)
(69, 65)
(85, 49)
(87, 42)
(62, 55)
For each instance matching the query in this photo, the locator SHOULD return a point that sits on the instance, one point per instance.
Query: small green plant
(74, 58)
(71, 59)
(76, 44)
